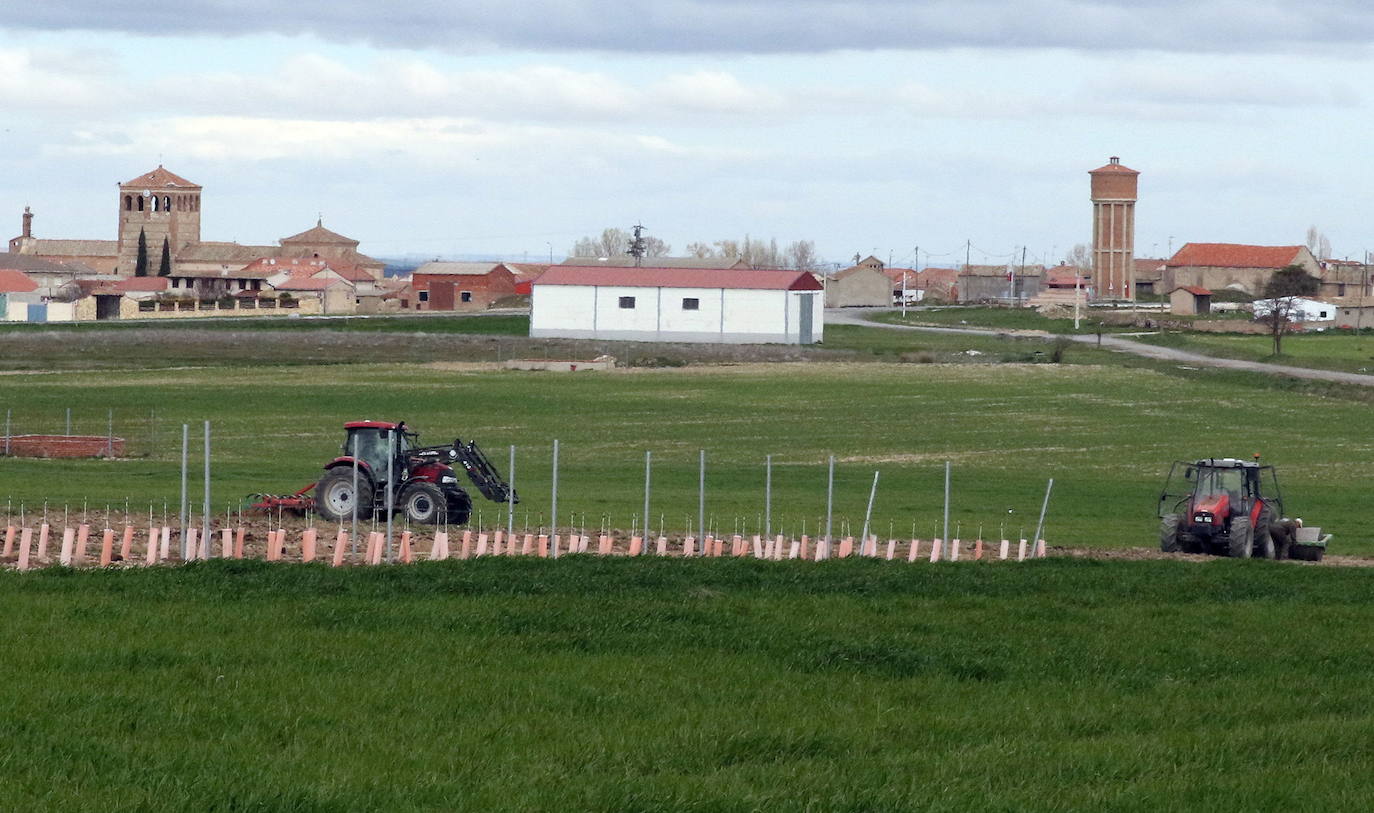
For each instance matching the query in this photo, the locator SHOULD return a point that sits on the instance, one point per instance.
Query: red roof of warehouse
(742, 278)
(1195, 290)
(1234, 255)
(15, 282)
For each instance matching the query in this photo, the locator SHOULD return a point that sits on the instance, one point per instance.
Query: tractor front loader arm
(482, 473)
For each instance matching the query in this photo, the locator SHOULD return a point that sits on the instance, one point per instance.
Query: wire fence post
(69, 421)
(701, 502)
(829, 502)
(182, 516)
(1040, 526)
(648, 469)
(945, 535)
(7, 432)
(553, 506)
(109, 436)
(353, 540)
(390, 493)
(868, 515)
(205, 514)
(510, 502)
(768, 497)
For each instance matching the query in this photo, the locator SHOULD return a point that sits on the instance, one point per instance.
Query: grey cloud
(740, 26)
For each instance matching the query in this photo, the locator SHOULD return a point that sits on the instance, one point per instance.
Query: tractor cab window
(371, 448)
(1215, 482)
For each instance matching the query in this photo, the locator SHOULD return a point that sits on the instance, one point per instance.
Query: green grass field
(614, 685)
(1106, 434)
(1335, 350)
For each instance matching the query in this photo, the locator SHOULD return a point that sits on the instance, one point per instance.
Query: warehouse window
(424, 296)
(627, 302)
(466, 296)
(691, 304)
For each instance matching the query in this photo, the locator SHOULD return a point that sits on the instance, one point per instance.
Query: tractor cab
(1219, 503)
(370, 442)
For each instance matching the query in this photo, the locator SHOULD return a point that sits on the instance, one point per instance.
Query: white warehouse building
(733, 306)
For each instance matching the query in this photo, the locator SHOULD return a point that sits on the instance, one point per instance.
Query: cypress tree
(141, 264)
(165, 269)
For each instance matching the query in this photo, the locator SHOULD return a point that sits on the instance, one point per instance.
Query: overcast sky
(444, 128)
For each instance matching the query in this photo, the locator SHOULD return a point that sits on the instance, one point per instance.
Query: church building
(159, 235)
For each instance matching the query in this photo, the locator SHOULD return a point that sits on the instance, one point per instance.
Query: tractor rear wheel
(423, 504)
(1264, 540)
(459, 507)
(334, 497)
(1168, 534)
(1242, 538)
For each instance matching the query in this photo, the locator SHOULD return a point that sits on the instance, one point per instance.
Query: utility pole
(1023, 272)
(637, 246)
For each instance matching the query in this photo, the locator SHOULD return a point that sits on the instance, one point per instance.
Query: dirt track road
(844, 316)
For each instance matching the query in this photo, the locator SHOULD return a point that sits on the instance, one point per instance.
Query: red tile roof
(1115, 168)
(1234, 255)
(1195, 290)
(15, 282)
(160, 178)
(738, 278)
(319, 235)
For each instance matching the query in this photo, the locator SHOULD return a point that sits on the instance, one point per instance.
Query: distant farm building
(677, 305)
(864, 285)
(1233, 266)
(461, 286)
(1190, 300)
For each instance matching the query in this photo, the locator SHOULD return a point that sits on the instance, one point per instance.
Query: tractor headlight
(446, 480)
(1205, 518)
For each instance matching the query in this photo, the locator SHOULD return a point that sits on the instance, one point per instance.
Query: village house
(461, 286)
(1190, 300)
(863, 285)
(1233, 266)
(678, 305)
(999, 283)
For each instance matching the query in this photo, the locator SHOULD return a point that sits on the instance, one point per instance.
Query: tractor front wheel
(1168, 534)
(459, 507)
(1264, 540)
(334, 497)
(1242, 538)
(423, 504)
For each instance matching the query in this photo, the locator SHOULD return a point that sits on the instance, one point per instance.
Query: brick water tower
(1114, 195)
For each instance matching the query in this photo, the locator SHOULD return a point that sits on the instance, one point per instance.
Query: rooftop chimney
(28, 223)
(1115, 159)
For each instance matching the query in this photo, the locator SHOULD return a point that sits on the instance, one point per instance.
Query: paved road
(846, 316)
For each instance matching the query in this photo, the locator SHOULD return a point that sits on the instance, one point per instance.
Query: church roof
(223, 252)
(160, 178)
(46, 247)
(319, 235)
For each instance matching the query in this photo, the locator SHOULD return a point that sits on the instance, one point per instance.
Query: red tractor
(424, 484)
(1220, 506)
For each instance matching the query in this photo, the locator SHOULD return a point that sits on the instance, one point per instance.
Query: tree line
(613, 242)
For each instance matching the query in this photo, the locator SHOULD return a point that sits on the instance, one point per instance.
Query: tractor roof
(369, 425)
(1228, 463)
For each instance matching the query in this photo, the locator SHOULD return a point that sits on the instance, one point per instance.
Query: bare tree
(727, 249)
(1318, 243)
(654, 247)
(612, 243)
(1284, 289)
(702, 251)
(801, 255)
(1080, 256)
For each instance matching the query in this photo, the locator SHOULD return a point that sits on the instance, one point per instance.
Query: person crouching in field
(1284, 533)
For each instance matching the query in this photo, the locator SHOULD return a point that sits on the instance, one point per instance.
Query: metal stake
(1040, 526)
(863, 542)
(353, 540)
(829, 500)
(510, 500)
(701, 498)
(109, 447)
(184, 516)
(69, 421)
(648, 465)
(768, 497)
(390, 479)
(945, 535)
(205, 518)
(553, 507)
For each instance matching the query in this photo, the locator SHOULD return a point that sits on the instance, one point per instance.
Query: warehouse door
(806, 303)
(38, 313)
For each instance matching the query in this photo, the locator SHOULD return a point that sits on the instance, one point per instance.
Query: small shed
(1190, 300)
